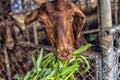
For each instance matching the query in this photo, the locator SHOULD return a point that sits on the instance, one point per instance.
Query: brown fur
(5, 31)
(63, 24)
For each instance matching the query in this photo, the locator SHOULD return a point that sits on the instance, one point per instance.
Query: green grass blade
(27, 76)
(40, 58)
(41, 75)
(47, 72)
(47, 62)
(48, 55)
(48, 67)
(34, 60)
(87, 64)
(82, 49)
(68, 69)
(68, 76)
(50, 75)
(72, 77)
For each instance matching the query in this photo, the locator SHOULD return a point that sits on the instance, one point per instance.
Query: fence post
(108, 59)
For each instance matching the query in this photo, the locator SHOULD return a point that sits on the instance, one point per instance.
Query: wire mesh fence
(108, 69)
(110, 65)
(116, 47)
(106, 66)
(93, 73)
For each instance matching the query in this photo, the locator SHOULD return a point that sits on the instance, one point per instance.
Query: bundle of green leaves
(48, 67)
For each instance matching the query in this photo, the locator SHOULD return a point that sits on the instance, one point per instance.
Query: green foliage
(48, 67)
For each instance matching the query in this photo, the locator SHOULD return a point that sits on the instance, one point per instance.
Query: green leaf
(82, 49)
(87, 64)
(40, 58)
(47, 72)
(72, 77)
(68, 69)
(27, 76)
(48, 55)
(47, 62)
(50, 75)
(73, 59)
(41, 75)
(68, 76)
(48, 67)
(34, 60)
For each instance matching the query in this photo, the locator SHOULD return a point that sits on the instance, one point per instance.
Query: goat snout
(10, 44)
(64, 54)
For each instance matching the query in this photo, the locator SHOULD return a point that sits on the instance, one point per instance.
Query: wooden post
(35, 33)
(116, 11)
(7, 63)
(105, 22)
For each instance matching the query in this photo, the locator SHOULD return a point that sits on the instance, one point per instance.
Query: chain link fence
(108, 67)
(105, 65)
(94, 72)
(114, 51)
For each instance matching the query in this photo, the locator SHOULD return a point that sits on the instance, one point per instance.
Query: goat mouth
(61, 56)
(10, 46)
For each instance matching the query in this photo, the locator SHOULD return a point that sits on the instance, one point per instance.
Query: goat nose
(64, 55)
(10, 44)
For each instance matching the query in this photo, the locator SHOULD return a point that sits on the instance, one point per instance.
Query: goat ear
(20, 29)
(78, 23)
(39, 1)
(13, 22)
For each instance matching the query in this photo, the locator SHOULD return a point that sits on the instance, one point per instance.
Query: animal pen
(102, 29)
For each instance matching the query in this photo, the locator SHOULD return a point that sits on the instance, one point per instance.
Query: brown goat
(63, 24)
(6, 32)
(7, 35)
